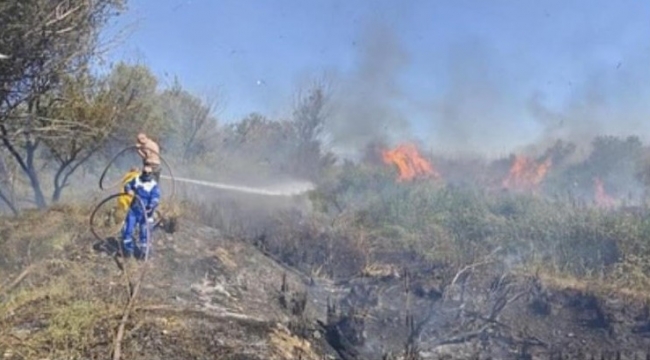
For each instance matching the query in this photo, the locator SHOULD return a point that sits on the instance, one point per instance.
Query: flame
(409, 162)
(602, 198)
(526, 174)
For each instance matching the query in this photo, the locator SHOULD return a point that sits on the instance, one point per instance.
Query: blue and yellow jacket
(147, 191)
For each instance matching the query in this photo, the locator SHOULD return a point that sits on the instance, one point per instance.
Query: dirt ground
(207, 296)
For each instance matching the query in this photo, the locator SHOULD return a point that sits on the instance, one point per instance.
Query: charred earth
(209, 296)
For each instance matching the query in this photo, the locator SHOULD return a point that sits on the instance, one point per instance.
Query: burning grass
(526, 174)
(409, 163)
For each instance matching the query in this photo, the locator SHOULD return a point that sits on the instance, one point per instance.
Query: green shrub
(465, 224)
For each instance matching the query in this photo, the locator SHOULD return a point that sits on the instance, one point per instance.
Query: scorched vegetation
(399, 252)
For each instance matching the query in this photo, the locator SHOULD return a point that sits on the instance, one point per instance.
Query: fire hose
(132, 147)
(94, 213)
(134, 289)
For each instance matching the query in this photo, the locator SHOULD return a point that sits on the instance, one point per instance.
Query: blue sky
(457, 72)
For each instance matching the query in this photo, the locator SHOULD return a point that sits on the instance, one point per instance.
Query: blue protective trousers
(135, 217)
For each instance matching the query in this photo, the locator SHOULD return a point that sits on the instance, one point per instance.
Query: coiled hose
(107, 199)
(114, 196)
(134, 147)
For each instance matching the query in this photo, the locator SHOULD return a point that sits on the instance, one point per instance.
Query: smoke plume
(367, 99)
(488, 102)
(610, 101)
(478, 111)
(490, 109)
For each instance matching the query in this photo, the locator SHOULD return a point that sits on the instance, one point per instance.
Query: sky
(457, 75)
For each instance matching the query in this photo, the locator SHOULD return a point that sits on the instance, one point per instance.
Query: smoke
(478, 111)
(490, 109)
(487, 101)
(367, 99)
(610, 101)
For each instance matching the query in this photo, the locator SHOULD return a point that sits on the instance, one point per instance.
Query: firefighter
(146, 189)
(149, 151)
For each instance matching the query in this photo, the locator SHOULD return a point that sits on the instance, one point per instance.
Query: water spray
(289, 190)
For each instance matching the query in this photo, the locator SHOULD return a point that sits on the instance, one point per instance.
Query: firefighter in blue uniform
(146, 189)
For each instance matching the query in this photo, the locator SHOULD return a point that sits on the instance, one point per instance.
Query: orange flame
(602, 198)
(409, 162)
(526, 174)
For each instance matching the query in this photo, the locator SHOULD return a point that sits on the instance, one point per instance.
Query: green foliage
(45, 40)
(190, 126)
(464, 225)
(257, 142)
(48, 43)
(71, 327)
(136, 85)
(615, 161)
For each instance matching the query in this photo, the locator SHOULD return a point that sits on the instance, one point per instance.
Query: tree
(192, 126)
(309, 116)
(614, 155)
(138, 86)
(45, 42)
(259, 142)
(95, 109)
(6, 184)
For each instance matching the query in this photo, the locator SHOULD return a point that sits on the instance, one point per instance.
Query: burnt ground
(207, 296)
(500, 317)
(203, 296)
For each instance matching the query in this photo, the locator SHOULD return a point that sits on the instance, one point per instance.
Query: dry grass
(225, 258)
(290, 347)
(56, 300)
(38, 235)
(605, 287)
(379, 270)
(62, 310)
